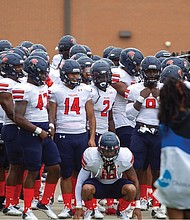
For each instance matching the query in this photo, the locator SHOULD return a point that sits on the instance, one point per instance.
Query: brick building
(144, 24)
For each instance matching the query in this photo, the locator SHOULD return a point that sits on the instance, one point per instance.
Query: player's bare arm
(92, 122)
(21, 121)
(7, 104)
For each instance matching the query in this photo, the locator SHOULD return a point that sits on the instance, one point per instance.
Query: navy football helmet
(37, 46)
(150, 69)
(162, 53)
(77, 48)
(12, 65)
(173, 61)
(130, 59)
(96, 57)
(37, 69)
(171, 71)
(26, 44)
(114, 55)
(70, 66)
(85, 63)
(100, 72)
(109, 146)
(65, 43)
(107, 50)
(41, 53)
(5, 45)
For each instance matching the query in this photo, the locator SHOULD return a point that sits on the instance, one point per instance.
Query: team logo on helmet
(170, 62)
(131, 54)
(34, 61)
(4, 59)
(180, 73)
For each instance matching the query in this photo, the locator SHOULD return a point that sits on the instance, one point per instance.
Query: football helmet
(67, 67)
(150, 69)
(162, 54)
(26, 44)
(173, 61)
(109, 146)
(19, 52)
(5, 45)
(64, 45)
(114, 55)
(78, 55)
(107, 50)
(171, 71)
(85, 63)
(100, 72)
(109, 62)
(77, 48)
(41, 53)
(96, 57)
(37, 69)
(12, 65)
(130, 59)
(37, 46)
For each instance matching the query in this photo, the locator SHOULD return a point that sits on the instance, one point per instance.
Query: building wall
(97, 23)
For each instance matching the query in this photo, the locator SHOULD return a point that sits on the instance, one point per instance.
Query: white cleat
(97, 214)
(34, 204)
(158, 213)
(47, 210)
(29, 215)
(65, 213)
(144, 205)
(11, 210)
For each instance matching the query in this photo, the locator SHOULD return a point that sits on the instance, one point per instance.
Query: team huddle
(90, 121)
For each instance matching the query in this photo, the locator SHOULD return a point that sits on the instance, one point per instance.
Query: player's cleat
(97, 214)
(11, 210)
(101, 208)
(65, 213)
(47, 210)
(158, 213)
(144, 204)
(123, 214)
(29, 215)
(34, 204)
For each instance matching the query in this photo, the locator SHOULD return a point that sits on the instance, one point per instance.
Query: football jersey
(71, 112)
(119, 107)
(103, 102)
(6, 85)
(148, 113)
(93, 162)
(55, 75)
(36, 97)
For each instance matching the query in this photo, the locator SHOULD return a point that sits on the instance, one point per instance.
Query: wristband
(140, 99)
(38, 130)
(51, 125)
(137, 204)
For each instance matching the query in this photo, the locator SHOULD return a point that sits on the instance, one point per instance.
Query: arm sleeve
(83, 175)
